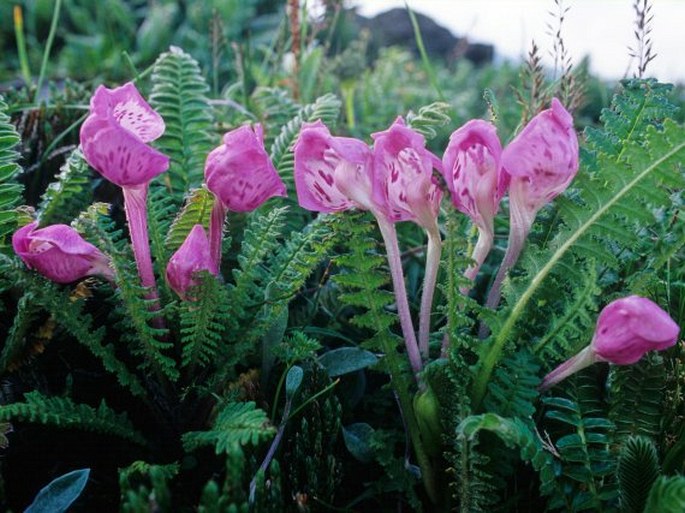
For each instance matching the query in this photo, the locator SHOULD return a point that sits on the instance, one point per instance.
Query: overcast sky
(602, 29)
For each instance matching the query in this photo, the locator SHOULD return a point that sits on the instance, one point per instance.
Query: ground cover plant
(295, 280)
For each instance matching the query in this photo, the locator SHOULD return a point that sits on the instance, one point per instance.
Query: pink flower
(543, 159)
(626, 329)
(472, 171)
(331, 173)
(114, 137)
(403, 184)
(59, 253)
(240, 172)
(192, 257)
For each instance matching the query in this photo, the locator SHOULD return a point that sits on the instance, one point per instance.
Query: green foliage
(667, 495)
(236, 425)
(196, 210)
(429, 119)
(637, 470)
(513, 389)
(637, 397)
(179, 94)
(69, 194)
(144, 486)
(586, 464)
(202, 322)
(62, 412)
(326, 108)
(10, 193)
(24, 318)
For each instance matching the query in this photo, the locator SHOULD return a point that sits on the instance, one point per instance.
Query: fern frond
(236, 425)
(134, 311)
(15, 343)
(513, 389)
(69, 194)
(326, 108)
(71, 316)
(202, 322)
(160, 210)
(586, 464)
(10, 192)
(274, 107)
(196, 210)
(637, 470)
(62, 412)
(429, 119)
(667, 495)
(636, 397)
(179, 94)
(473, 487)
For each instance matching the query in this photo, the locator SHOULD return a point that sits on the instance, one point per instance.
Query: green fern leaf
(197, 210)
(274, 107)
(179, 94)
(10, 192)
(236, 425)
(62, 412)
(429, 119)
(69, 194)
(513, 389)
(638, 469)
(667, 495)
(15, 343)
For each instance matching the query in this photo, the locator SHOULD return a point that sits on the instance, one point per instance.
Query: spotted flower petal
(192, 257)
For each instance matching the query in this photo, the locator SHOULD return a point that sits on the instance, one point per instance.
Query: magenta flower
(405, 190)
(59, 253)
(542, 160)
(114, 141)
(476, 181)
(331, 173)
(193, 256)
(626, 329)
(241, 176)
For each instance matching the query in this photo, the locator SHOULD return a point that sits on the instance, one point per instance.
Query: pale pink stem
(583, 359)
(395, 262)
(429, 279)
(480, 253)
(136, 216)
(216, 230)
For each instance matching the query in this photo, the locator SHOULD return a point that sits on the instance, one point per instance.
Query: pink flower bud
(472, 171)
(240, 173)
(403, 185)
(114, 137)
(59, 253)
(626, 329)
(193, 256)
(543, 159)
(331, 173)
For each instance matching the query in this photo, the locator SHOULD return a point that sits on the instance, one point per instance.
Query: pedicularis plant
(231, 346)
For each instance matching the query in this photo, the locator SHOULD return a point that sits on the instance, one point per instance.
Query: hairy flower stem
(216, 230)
(583, 359)
(136, 216)
(395, 262)
(480, 253)
(429, 279)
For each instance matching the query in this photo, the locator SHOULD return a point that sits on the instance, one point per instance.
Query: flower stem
(583, 359)
(395, 262)
(136, 216)
(429, 279)
(216, 230)
(480, 253)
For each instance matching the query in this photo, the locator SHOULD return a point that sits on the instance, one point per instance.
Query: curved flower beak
(240, 173)
(193, 256)
(331, 173)
(627, 329)
(59, 253)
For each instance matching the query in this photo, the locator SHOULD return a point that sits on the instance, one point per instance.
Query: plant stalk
(480, 253)
(429, 280)
(21, 45)
(216, 230)
(395, 262)
(48, 47)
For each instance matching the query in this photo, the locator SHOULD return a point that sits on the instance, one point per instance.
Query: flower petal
(193, 256)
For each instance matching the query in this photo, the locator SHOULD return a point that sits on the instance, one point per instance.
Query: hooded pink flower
(403, 184)
(543, 159)
(472, 171)
(59, 253)
(192, 257)
(240, 173)
(626, 329)
(114, 137)
(331, 173)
